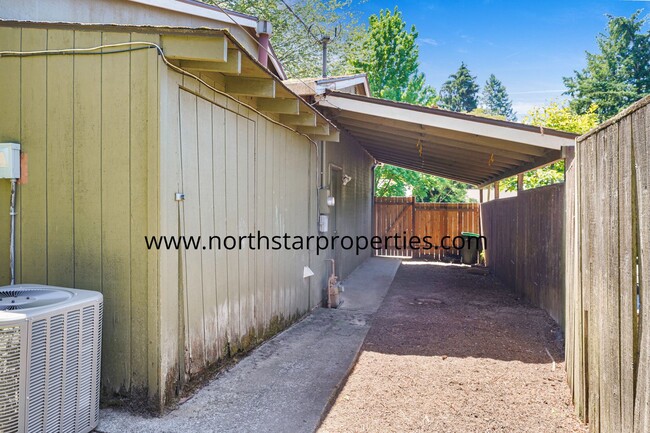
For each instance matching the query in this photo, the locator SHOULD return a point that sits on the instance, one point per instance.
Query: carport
(525, 239)
(471, 149)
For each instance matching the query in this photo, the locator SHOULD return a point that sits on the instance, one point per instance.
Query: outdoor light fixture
(346, 179)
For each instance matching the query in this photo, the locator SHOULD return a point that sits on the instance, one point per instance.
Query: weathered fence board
(406, 217)
(608, 257)
(525, 245)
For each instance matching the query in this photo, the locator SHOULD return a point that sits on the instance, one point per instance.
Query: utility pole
(324, 41)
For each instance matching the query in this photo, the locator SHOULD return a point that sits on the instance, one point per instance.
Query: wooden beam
(279, 105)
(480, 195)
(437, 168)
(432, 149)
(539, 162)
(441, 133)
(496, 190)
(358, 126)
(409, 150)
(333, 136)
(302, 119)
(315, 130)
(482, 129)
(231, 66)
(264, 87)
(200, 48)
(520, 182)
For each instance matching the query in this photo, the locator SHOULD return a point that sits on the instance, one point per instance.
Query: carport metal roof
(463, 147)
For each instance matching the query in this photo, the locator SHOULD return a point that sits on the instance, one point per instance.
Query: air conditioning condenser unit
(50, 351)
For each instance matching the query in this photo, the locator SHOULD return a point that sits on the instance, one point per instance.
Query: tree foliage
(391, 181)
(299, 53)
(562, 117)
(555, 116)
(495, 100)
(460, 91)
(390, 56)
(618, 74)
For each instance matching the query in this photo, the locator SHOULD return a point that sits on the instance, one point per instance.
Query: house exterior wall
(87, 128)
(109, 140)
(353, 204)
(240, 174)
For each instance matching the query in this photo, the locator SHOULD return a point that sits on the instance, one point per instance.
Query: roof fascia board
(198, 10)
(322, 87)
(449, 123)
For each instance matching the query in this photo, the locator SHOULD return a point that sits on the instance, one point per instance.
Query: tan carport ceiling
(463, 147)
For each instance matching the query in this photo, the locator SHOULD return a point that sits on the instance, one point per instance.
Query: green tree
(390, 56)
(391, 181)
(495, 99)
(618, 74)
(560, 116)
(555, 116)
(460, 91)
(298, 51)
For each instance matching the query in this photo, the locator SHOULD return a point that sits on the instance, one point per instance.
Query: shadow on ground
(435, 309)
(452, 351)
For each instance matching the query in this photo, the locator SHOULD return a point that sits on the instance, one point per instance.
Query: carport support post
(480, 195)
(496, 190)
(520, 182)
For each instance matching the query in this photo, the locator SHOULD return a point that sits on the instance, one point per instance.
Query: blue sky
(528, 45)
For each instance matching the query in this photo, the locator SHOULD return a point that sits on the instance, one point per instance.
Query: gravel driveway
(453, 351)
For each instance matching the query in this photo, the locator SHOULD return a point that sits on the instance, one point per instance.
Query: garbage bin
(471, 248)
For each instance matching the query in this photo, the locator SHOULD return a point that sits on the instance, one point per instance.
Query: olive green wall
(87, 127)
(109, 140)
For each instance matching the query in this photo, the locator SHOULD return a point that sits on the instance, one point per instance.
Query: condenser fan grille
(22, 298)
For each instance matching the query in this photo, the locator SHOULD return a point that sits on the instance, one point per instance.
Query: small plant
(481, 258)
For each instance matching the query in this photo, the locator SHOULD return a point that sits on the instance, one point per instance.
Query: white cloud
(429, 41)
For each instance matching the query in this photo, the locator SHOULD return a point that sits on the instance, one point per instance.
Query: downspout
(264, 35)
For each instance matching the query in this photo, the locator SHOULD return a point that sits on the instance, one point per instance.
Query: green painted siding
(83, 125)
(240, 173)
(109, 140)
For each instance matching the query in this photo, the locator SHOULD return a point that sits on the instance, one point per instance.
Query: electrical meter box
(9, 161)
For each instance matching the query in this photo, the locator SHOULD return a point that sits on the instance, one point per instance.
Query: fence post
(413, 231)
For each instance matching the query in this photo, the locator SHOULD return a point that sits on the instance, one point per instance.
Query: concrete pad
(285, 384)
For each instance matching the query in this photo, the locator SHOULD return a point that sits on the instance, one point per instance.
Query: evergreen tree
(390, 57)
(495, 99)
(619, 74)
(460, 92)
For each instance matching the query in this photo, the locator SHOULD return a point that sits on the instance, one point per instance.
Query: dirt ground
(452, 351)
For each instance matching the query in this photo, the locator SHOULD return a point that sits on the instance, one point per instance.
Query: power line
(308, 28)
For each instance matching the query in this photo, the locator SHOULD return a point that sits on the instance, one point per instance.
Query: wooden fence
(525, 245)
(406, 217)
(608, 274)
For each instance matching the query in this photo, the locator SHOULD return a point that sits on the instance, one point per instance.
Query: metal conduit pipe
(12, 236)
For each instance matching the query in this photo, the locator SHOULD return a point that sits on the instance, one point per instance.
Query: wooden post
(412, 224)
(520, 182)
(480, 195)
(496, 190)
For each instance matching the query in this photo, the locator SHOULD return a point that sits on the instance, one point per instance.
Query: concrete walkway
(286, 384)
